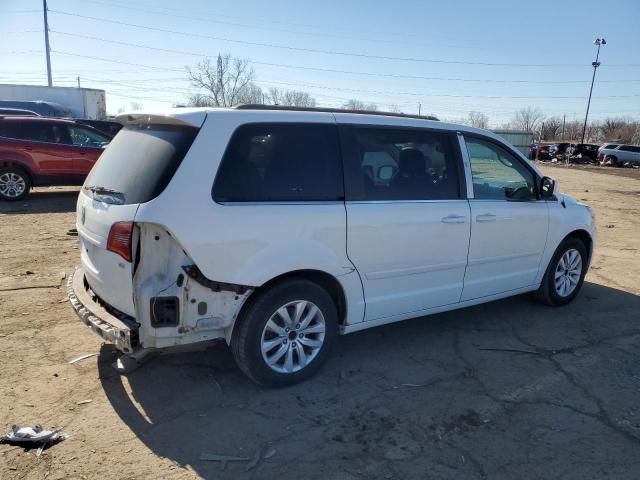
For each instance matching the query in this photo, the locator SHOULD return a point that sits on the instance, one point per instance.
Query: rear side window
(45, 132)
(280, 162)
(401, 164)
(139, 163)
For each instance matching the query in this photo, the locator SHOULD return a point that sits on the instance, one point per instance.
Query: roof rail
(258, 106)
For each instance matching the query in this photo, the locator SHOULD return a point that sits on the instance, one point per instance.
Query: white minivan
(276, 229)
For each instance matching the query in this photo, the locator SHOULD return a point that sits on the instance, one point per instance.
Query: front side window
(399, 164)
(497, 174)
(281, 162)
(83, 137)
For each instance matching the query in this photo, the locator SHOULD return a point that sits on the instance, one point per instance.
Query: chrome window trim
(467, 165)
(357, 202)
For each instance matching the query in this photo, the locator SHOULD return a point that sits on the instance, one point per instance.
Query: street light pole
(599, 42)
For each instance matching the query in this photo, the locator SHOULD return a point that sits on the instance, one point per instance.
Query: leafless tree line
(531, 119)
(231, 81)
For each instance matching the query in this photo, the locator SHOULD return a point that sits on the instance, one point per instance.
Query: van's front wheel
(285, 333)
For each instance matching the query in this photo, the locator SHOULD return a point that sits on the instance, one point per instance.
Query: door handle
(454, 219)
(487, 217)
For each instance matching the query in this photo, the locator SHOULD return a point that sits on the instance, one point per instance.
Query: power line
(370, 91)
(321, 51)
(296, 32)
(413, 77)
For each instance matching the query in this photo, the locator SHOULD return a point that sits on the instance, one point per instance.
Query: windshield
(139, 163)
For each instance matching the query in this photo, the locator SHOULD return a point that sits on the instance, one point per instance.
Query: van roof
(195, 116)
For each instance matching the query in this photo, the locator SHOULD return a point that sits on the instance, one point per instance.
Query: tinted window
(139, 162)
(398, 164)
(280, 162)
(497, 174)
(625, 148)
(45, 132)
(83, 137)
(10, 130)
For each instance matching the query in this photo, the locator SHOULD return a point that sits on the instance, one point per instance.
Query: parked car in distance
(586, 151)
(41, 151)
(544, 151)
(607, 146)
(620, 156)
(276, 229)
(563, 149)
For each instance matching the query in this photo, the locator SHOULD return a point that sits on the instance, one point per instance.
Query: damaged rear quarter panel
(204, 314)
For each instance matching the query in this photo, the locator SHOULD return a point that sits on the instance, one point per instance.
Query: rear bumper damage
(119, 330)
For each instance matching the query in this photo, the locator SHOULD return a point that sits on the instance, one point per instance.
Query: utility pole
(599, 42)
(419, 109)
(564, 117)
(46, 42)
(78, 77)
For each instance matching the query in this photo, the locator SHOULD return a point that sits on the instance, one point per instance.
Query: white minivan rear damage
(136, 273)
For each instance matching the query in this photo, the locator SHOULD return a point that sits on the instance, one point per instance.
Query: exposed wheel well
(18, 165)
(585, 238)
(324, 280)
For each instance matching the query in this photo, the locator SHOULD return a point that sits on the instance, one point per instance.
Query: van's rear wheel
(285, 333)
(14, 184)
(565, 273)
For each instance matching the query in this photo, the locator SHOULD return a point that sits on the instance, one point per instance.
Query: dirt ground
(510, 389)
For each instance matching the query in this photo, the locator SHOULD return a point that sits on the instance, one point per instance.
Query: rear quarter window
(281, 162)
(139, 163)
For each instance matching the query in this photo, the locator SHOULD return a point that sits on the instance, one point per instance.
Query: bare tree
(133, 106)
(200, 100)
(355, 104)
(550, 129)
(478, 120)
(394, 108)
(527, 119)
(227, 83)
(291, 98)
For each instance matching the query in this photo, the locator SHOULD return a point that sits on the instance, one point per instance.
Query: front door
(508, 224)
(87, 148)
(407, 221)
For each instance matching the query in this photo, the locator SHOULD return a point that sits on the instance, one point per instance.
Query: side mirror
(548, 187)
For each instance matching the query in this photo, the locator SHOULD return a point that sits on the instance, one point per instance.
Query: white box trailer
(521, 139)
(87, 103)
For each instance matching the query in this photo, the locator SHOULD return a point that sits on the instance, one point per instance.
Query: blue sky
(314, 43)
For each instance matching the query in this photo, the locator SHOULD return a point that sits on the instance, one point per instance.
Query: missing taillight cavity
(120, 240)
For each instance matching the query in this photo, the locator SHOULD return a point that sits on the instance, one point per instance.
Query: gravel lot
(510, 389)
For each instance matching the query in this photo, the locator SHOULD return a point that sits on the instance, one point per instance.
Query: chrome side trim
(467, 166)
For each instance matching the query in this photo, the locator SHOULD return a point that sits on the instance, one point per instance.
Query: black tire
(547, 292)
(22, 175)
(247, 333)
(613, 159)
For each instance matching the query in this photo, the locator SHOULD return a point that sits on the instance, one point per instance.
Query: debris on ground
(73, 232)
(32, 437)
(82, 402)
(82, 357)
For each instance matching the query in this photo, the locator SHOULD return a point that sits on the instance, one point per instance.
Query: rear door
(508, 224)
(48, 145)
(88, 145)
(134, 169)
(408, 221)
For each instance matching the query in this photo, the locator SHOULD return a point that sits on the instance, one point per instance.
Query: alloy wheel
(12, 185)
(568, 272)
(293, 336)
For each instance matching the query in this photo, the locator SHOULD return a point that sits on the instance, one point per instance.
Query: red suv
(40, 151)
